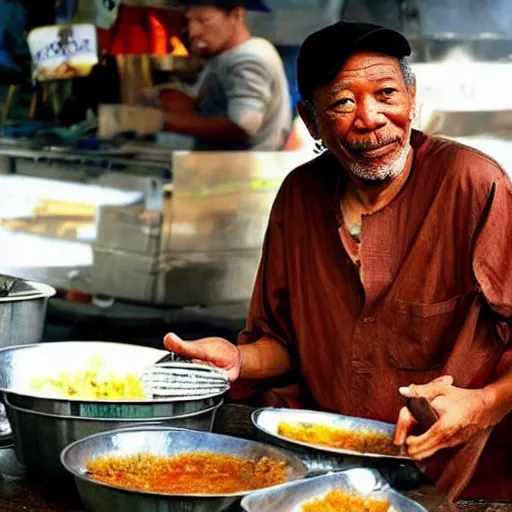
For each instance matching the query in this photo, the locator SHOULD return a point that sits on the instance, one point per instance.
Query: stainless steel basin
(99, 497)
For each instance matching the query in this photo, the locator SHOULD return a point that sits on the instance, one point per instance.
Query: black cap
(250, 5)
(323, 53)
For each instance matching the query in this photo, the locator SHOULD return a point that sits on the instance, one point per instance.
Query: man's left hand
(461, 412)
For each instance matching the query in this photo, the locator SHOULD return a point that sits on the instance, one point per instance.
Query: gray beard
(382, 172)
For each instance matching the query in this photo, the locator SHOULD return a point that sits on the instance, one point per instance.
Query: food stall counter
(20, 492)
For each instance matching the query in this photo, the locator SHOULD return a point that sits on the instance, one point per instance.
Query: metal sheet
(293, 496)
(221, 200)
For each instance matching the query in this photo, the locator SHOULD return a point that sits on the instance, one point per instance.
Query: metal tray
(291, 497)
(267, 420)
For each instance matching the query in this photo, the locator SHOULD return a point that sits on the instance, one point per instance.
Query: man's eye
(388, 91)
(343, 103)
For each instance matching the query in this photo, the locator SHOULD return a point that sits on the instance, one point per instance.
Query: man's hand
(213, 351)
(176, 101)
(147, 97)
(462, 413)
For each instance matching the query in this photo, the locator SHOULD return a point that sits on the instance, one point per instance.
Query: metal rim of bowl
(106, 402)
(134, 420)
(86, 479)
(322, 449)
(45, 292)
(383, 488)
(15, 397)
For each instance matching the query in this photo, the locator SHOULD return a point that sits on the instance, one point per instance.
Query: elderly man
(386, 269)
(242, 95)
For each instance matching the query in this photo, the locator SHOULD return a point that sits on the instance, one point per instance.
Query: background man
(242, 94)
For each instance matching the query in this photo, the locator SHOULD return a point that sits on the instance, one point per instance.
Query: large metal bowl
(39, 437)
(43, 425)
(100, 497)
(293, 496)
(20, 365)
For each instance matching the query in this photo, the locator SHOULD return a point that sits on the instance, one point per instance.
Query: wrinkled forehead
(371, 66)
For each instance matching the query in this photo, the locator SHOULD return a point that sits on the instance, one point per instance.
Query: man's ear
(308, 116)
(412, 94)
(239, 13)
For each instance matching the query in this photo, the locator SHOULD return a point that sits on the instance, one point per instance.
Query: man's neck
(369, 197)
(239, 37)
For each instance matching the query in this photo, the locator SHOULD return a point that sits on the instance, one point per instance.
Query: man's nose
(369, 115)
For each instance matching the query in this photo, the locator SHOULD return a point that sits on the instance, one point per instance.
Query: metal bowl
(39, 437)
(100, 497)
(43, 425)
(400, 471)
(19, 365)
(293, 496)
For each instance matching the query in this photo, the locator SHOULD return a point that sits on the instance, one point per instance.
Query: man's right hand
(213, 351)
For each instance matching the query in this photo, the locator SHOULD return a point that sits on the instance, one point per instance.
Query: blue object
(24, 129)
(6, 62)
(12, 33)
(289, 55)
(256, 5)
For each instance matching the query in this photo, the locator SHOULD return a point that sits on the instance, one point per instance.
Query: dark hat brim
(250, 5)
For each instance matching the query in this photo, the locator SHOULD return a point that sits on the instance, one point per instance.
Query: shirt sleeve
(269, 310)
(492, 254)
(248, 91)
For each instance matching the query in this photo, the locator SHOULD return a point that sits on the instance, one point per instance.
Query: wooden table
(20, 493)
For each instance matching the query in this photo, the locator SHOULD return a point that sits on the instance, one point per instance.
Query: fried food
(323, 435)
(343, 501)
(188, 473)
(92, 384)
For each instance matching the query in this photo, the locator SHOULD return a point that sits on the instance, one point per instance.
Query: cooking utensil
(423, 413)
(22, 311)
(100, 497)
(39, 438)
(293, 496)
(178, 379)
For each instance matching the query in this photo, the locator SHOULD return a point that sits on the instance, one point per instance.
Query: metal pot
(99, 497)
(22, 318)
(39, 438)
(22, 321)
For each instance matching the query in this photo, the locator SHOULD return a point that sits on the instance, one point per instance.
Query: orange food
(322, 435)
(188, 473)
(342, 501)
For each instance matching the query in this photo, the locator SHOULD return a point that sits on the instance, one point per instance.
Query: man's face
(364, 116)
(209, 30)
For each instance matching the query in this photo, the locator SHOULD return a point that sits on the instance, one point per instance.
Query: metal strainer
(182, 379)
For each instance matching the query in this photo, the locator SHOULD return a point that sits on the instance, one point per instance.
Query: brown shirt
(434, 296)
